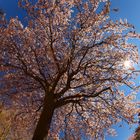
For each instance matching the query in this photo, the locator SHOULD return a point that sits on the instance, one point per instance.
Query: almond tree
(63, 69)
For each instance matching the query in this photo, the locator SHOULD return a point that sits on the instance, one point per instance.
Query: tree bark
(44, 122)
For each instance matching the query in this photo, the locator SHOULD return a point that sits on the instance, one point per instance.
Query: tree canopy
(62, 71)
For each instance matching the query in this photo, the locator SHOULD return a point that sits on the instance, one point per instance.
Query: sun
(127, 64)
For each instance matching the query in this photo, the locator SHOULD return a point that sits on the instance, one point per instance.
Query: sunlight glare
(127, 64)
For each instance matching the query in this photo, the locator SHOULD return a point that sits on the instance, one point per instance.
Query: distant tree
(1, 12)
(2, 17)
(131, 137)
(62, 71)
(137, 134)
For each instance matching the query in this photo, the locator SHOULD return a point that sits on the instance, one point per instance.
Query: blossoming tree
(62, 70)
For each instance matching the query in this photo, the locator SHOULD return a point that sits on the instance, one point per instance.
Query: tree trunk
(44, 122)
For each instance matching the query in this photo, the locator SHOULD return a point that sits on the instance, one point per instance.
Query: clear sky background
(128, 9)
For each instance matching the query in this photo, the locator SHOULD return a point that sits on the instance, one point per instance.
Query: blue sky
(129, 9)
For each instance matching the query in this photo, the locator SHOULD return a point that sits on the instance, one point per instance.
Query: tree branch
(77, 98)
